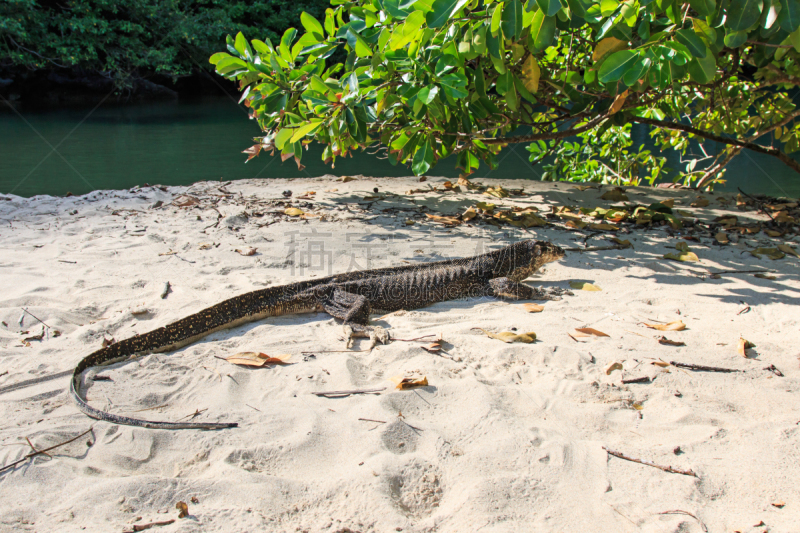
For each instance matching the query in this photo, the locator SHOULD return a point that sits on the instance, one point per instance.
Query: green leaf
(794, 38)
(503, 83)
(305, 129)
(497, 17)
(617, 65)
(286, 42)
(735, 39)
(692, 41)
(511, 22)
(241, 45)
(423, 159)
(393, 8)
(282, 137)
(549, 7)
(706, 32)
(789, 17)
(441, 12)
(702, 70)
(219, 56)
(704, 8)
(312, 25)
(543, 30)
(743, 14)
(427, 94)
(453, 85)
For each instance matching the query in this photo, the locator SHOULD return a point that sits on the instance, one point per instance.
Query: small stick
(648, 463)
(702, 368)
(770, 368)
(197, 412)
(39, 452)
(758, 203)
(643, 379)
(71, 262)
(417, 339)
(34, 448)
(142, 527)
(741, 272)
(348, 392)
(34, 316)
(678, 511)
(251, 407)
(371, 420)
(167, 290)
(334, 351)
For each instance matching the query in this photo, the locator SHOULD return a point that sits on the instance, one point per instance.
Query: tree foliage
(429, 78)
(125, 40)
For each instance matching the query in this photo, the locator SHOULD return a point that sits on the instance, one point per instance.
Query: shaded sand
(507, 437)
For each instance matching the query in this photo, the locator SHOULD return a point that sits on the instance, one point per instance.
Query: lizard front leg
(505, 288)
(353, 310)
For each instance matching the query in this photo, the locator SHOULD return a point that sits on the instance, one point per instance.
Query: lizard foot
(375, 334)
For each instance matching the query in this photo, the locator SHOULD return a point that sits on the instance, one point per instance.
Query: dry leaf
(603, 227)
(669, 203)
(585, 187)
(257, 359)
(785, 248)
(773, 233)
(584, 286)
(779, 505)
(246, 251)
(498, 192)
(345, 179)
(404, 383)
(743, 346)
(666, 341)
(576, 224)
(433, 347)
(615, 195)
(676, 325)
(722, 238)
(614, 365)
(533, 308)
(448, 221)
(766, 276)
(637, 405)
(485, 206)
(662, 364)
(185, 201)
(772, 253)
(685, 256)
(683, 246)
(183, 509)
(700, 201)
(409, 222)
(625, 244)
(205, 246)
(510, 336)
(591, 331)
(293, 211)
(469, 214)
(683, 212)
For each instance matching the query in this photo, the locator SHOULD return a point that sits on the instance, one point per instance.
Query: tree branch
(676, 126)
(545, 136)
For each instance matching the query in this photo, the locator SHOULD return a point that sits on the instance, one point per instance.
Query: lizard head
(528, 256)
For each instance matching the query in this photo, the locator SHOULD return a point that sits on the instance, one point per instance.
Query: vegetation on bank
(425, 79)
(127, 41)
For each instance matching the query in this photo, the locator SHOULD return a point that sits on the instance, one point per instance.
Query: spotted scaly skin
(350, 297)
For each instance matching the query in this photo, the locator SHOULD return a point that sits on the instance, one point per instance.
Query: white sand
(509, 437)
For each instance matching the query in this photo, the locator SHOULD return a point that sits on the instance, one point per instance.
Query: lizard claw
(378, 334)
(375, 334)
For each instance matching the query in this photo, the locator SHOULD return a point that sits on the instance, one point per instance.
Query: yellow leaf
(625, 244)
(591, 331)
(345, 179)
(409, 222)
(533, 308)
(662, 364)
(773, 233)
(722, 238)
(583, 286)
(700, 201)
(469, 214)
(772, 253)
(614, 365)
(607, 45)
(683, 212)
(510, 336)
(498, 191)
(448, 221)
(576, 224)
(743, 346)
(603, 227)
(683, 246)
(485, 206)
(685, 256)
(619, 101)
(785, 248)
(257, 359)
(676, 325)
(530, 74)
(404, 383)
(293, 211)
(669, 203)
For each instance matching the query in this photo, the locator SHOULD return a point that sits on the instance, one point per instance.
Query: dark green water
(78, 150)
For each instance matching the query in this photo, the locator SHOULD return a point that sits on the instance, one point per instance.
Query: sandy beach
(506, 437)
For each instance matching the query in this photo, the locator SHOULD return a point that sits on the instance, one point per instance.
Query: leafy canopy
(425, 79)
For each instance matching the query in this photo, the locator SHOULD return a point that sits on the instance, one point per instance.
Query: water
(77, 150)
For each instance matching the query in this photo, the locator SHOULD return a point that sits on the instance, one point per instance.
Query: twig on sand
(678, 511)
(595, 248)
(142, 527)
(251, 407)
(328, 394)
(34, 316)
(740, 272)
(43, 452)
(417, 339)
(648, 463)
(643, 379)
(371, 420)
(335, 351)
(702, 368)
(167, 290)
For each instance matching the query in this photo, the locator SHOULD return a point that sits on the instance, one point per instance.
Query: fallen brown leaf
(403, 383)
(533, 308)
(591, 331)
(345, 179)
(584, 286)
(510, 336)
(293, 211)
(257, 359)
(185, 201)
(700, 201)
(766, 276)
(246, 251)
(447, 221)
(615, 195)
(666, 341)
(433, 347)
(676, 325)
(722, 238)
(743, 346)
(785, 248)
(614, 365)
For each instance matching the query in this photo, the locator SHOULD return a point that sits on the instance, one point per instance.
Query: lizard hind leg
(353, 310)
